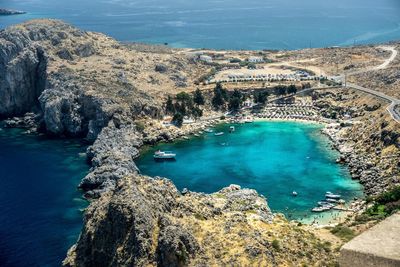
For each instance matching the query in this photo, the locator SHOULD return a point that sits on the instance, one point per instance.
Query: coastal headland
(8, 12)
(65, 82)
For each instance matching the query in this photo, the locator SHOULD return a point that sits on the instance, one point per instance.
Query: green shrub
(276, 245)
(343, 232)
(140, 126)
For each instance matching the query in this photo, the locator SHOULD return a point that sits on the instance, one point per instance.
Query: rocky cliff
(23, 66)
(78, 81)
(86, 84)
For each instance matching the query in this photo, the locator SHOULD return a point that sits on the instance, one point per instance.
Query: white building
(206, 58)
(256, 59)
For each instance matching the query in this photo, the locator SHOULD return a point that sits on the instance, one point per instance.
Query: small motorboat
(322, 208)
(331, 200)
(164, 155)
(219, 134)
(208, 130)
(330, 195)
(231, 129)
(318, 209)
(327, 205)
(294, 193)
(184, 191)
(197, 135)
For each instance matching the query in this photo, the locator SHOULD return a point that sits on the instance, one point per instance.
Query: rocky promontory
(8, 12)
(66, 82)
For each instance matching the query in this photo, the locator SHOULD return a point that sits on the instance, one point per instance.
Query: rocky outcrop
(7, 12)
(23, 67)
(33, 78)
(111, 156)
(85, 84)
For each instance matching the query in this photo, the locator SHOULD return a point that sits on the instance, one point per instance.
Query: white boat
(330, 195)
(318, 209)
(321, 209)
(219, 134)
(325, 204)
(208, 130)
(294, 193)
(331, 200)
(164, 155)
(231, 129)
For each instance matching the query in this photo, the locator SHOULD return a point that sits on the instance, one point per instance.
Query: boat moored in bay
(332, 196)
(164, 155)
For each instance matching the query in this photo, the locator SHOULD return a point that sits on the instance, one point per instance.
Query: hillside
(74, 83)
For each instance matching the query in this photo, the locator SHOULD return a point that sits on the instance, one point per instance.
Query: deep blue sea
(275, 158)
(40, 206)
(227, 24)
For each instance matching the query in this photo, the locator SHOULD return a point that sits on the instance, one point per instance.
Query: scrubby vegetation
(343, 232)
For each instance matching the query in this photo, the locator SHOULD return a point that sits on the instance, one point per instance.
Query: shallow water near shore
(40, 206)
(275, 158)
(229, 24)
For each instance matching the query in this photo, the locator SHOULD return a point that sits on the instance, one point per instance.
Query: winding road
(394, 102)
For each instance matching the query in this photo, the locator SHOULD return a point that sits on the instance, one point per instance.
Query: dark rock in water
(28, 121)
(7, 12)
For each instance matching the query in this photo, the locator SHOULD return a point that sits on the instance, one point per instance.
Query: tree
(197, 112)
(280, 90)
(180, 108)
(198, 97)
(218, 99)
(185, 98)
(169, 106)
(178, 119)
(261, 97)
(292, 89)
(235, 100)
(234, 103)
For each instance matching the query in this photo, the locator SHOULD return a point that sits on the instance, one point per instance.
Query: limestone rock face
(112, 156)
(40, 72)
(22, 72)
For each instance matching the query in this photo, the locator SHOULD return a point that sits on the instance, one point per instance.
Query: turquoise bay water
(40, 206)
(275, 158)
(229, 24)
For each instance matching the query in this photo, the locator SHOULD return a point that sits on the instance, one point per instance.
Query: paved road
(393, 101)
